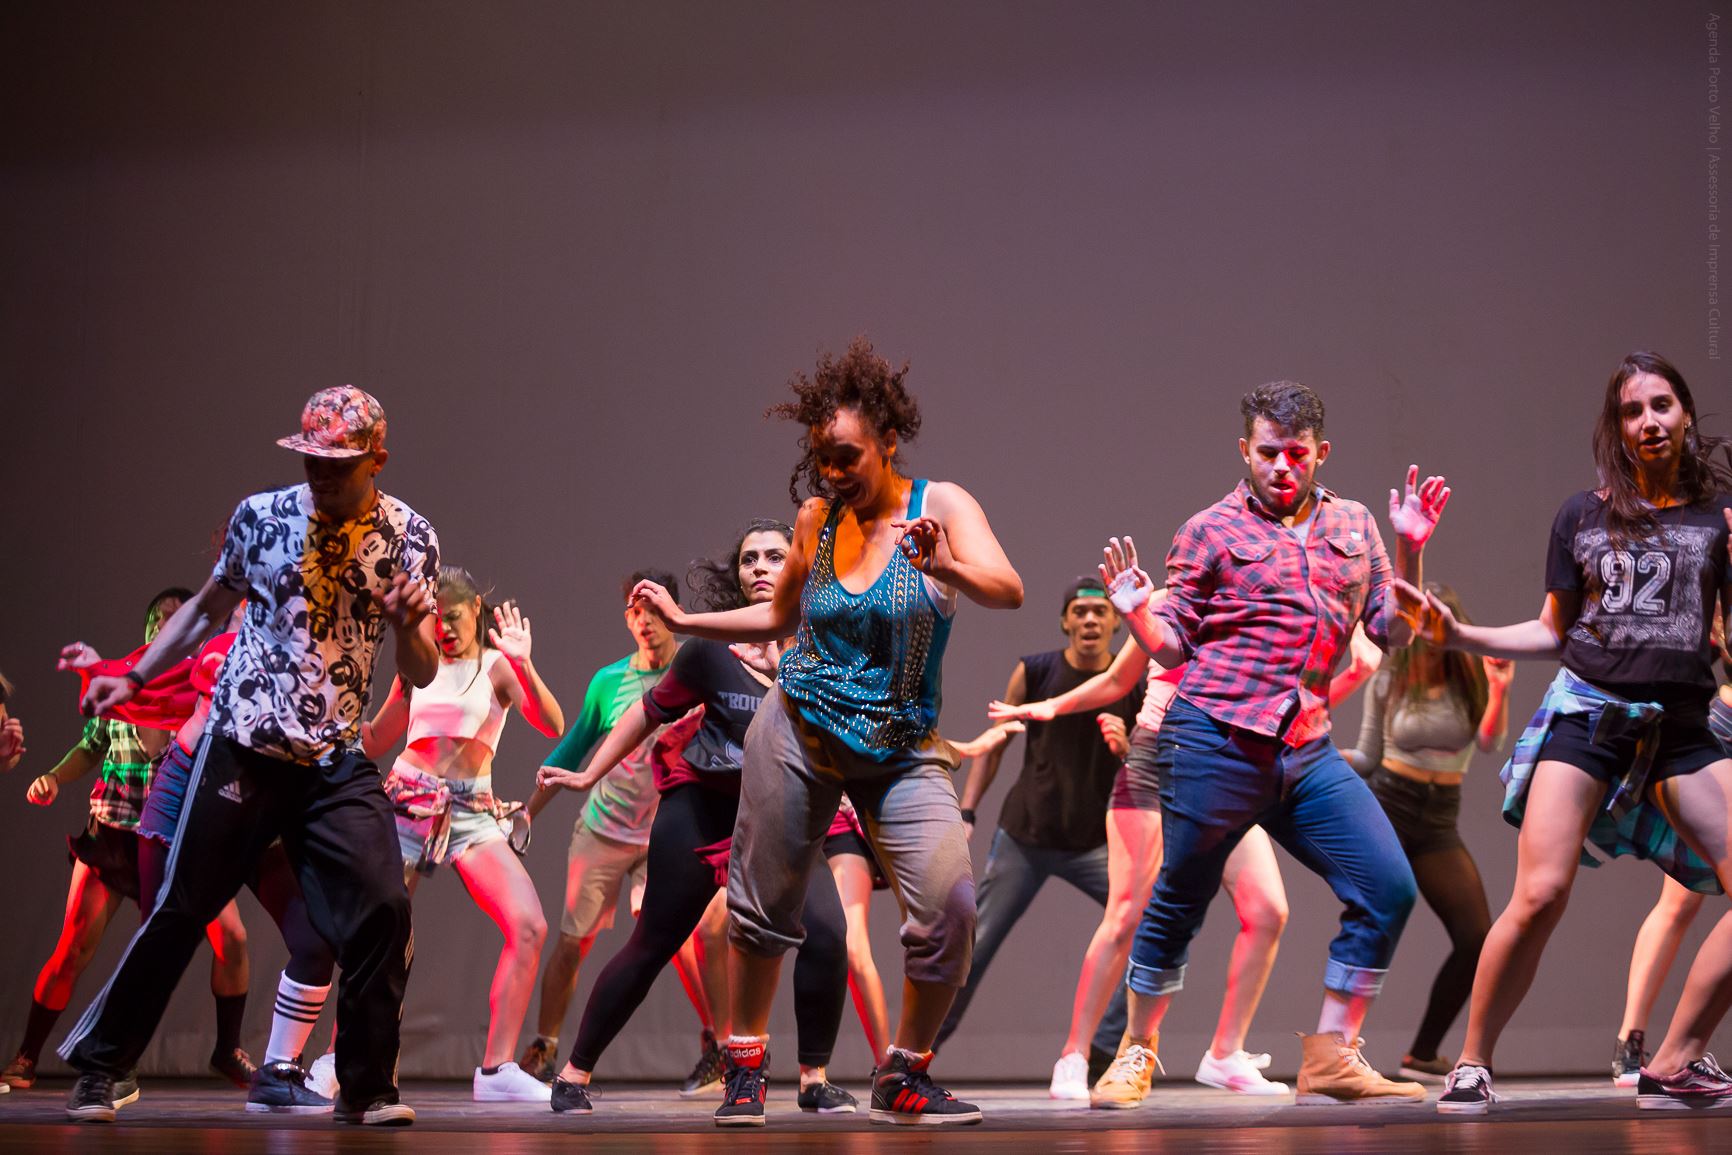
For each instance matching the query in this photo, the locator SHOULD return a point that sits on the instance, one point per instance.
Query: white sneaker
(1239, 1072)
(510, 1084)
(322, 1076)
(1070, 1077)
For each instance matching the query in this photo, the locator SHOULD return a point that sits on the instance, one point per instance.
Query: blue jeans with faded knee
(1217, 781)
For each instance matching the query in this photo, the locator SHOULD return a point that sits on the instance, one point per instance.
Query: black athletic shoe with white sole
(281, 1089)
(904, 1094)
(570, 1098)
(1467, 1091)
(827, 1099)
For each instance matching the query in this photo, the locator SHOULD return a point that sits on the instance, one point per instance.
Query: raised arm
(1494, 723)
(627, 734)
(195, 623)
(1540, 637)
(763, 622)
(985, 768)
(1130, 666)
(954, 543)
(1132, 593)
(1413, 514)
(524, 689)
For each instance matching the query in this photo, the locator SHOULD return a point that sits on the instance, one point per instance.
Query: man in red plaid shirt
(1263, 590)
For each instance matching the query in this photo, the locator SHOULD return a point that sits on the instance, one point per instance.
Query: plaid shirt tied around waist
(1264, 618)
(1626, 823)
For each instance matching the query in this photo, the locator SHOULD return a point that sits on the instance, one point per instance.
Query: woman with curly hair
(1620, 755)
(878, 563)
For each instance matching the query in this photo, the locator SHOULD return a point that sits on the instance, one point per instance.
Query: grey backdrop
(576, 249)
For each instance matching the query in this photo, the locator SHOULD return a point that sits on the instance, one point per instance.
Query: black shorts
(1423, 813)
(1686, 746)
(850, 842)
(110, 853)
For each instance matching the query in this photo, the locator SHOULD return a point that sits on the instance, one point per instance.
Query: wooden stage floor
(1537, 1117)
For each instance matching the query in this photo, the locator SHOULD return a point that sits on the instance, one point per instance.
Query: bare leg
(1656, 949)
(559, 982)
(501, 887)
(1253, 880)
(1560, 806)
(854, 884)
(89, 907)
(230, 972)
(1699, 806)
(1133, 860)
(711, 939)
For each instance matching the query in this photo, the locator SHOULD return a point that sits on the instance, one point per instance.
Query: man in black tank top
(1053, 822)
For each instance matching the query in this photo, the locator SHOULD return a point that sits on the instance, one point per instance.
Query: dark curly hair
(860, 380)
(1289, 406)
(716, 580)
(1703, 468)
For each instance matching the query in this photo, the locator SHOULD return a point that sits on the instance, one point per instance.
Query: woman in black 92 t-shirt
(1633, 574)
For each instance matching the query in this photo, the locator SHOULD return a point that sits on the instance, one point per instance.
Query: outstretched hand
(555, 777)
(1426, 614)
(1041, 711)
(510, 635)
(1413, 512)
(104, 694)
(1128, 587)
(989, 739)
(764, 657)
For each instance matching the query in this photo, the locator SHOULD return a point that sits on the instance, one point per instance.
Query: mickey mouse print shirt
(299, 676)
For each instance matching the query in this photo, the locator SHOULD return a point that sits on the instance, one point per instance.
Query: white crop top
(459, 703)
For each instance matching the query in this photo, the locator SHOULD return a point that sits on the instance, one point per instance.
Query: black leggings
(311, 961)
(1450, 884)
(679, 888)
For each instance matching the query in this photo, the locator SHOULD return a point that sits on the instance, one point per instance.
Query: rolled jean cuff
(1154, 981)
(1347, 979)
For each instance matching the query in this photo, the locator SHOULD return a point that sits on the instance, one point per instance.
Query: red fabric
(170, 698)
(1264, 618)
(716, 855)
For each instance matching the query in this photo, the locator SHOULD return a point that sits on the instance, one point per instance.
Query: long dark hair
(860, 380)
(716, 580)
(460, 583)
(1463, 673)
(1629, 516)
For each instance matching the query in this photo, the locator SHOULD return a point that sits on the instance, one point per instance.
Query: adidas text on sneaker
(904, 1094)
(1467, 1091)
(745, 1086)
(1700, 1086)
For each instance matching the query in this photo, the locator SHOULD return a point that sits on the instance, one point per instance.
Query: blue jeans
(1014, 875)
(1217, 781)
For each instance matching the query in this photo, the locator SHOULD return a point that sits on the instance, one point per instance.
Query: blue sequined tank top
(865, 666)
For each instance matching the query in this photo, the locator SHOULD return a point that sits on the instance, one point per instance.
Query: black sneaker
(707, 1075)
(281, 1089)
(1700, 1086)
(383, 1112)
(92, 1098)
(904, 1093)
(1628, 1055)
(570, 1098)
(1099, 1061)
(126, 1090)
(827, 1099)
(748, 1080)
(236, 1066)
(1467, 1091)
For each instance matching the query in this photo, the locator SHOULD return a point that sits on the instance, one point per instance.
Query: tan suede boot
(1333, 1072)
(1126, 1083)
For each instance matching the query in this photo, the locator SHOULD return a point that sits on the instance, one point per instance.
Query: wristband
(968, 815)
(136, 678)
(1127, 594)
